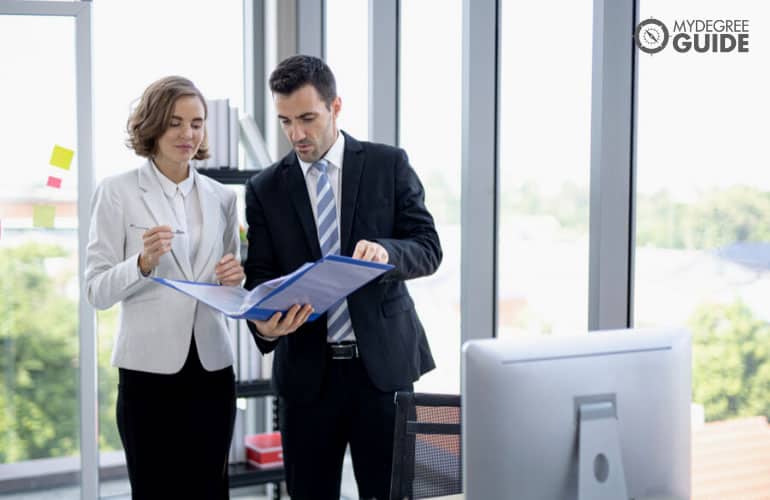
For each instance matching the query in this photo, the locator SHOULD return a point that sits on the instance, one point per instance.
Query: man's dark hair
(297, 71)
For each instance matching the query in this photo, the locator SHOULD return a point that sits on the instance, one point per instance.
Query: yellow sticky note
(61, 157)
(43, 216)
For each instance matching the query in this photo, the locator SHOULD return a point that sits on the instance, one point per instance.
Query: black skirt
(176, 430)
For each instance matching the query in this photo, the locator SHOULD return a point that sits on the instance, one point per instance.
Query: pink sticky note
(54, 182)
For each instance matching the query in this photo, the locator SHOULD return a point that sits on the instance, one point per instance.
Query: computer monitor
(597, 415)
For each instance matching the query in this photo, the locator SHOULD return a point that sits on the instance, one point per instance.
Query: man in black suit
(336, 376)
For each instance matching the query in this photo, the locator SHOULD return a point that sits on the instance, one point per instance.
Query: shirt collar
(333, 156)
(169, 187)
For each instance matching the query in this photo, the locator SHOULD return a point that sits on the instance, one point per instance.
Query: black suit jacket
(382, 201)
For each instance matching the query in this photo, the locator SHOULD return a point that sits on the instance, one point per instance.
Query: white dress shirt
(334, 156)
(192, 207)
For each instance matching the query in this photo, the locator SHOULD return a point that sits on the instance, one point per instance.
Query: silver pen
(175, 231)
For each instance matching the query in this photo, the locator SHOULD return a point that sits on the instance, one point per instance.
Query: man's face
(310, 126)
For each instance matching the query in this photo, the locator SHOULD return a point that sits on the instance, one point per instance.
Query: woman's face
(184, 135)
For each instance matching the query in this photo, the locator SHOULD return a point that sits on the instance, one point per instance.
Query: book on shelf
(254, 142)
(223, 144)
(232, 136)
(222, 130)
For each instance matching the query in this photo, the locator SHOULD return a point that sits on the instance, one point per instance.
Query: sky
(703, 116)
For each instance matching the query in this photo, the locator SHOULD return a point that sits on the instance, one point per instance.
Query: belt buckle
(343, 351)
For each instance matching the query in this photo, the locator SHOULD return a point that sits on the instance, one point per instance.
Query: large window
(430, 130)
(135, 43)
(347, 53)
(545, 125)
(39, 286)
(138, 41)
(702, 230)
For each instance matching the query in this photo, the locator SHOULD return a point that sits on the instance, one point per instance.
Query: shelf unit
(229, 175)
(241, 473)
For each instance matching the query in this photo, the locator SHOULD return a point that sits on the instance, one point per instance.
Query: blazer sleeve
(231, 240)
(414, 249)
(260, 261)
(110, 276)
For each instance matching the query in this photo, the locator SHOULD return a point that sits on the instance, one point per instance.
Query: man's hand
(157, 241)
(370, 251)
(229, 271)
(277, 327)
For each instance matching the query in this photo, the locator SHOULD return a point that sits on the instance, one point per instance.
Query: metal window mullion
(632, 174)
(254, 57)
(311, 21)
(281, 30)
(480, 84)
(87, 355)
(39, 8)
(611, 228)
(384, 43)
(89, 403)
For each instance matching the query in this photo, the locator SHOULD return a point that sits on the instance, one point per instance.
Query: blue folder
(321, 284)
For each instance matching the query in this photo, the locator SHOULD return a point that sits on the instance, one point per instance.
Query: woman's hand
(157, 241)
(229, 271)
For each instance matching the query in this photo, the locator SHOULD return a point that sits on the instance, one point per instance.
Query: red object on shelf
(264, 450)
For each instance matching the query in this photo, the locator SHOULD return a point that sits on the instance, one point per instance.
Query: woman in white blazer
(176, 392)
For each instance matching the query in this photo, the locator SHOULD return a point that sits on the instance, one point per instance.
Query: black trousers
(350, 411)
(176, 430)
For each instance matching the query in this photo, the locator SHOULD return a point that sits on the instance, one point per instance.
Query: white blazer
(156, 322)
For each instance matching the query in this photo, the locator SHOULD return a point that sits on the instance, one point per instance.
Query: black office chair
(427, 459)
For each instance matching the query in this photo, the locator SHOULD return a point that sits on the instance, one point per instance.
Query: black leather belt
(343, 350)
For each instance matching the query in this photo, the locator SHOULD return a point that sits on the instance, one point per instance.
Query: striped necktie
(339, 326)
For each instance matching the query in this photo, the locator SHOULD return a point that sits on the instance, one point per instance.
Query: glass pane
(204, 44)
(702, 233)
(347, 53)
(39, 288)
(430, 111)
(545, 125)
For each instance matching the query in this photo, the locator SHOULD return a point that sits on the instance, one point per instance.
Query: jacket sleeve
(260, 261)
(414, 249)
(231, 240)
(110, 275)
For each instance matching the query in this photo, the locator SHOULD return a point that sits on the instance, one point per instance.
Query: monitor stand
(600, 465)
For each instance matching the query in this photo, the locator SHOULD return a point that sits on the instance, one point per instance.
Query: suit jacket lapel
(210, 227)
(296, 187)
(352, 168)
(160, 210)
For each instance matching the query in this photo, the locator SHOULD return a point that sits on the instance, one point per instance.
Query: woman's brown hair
(152, 116)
